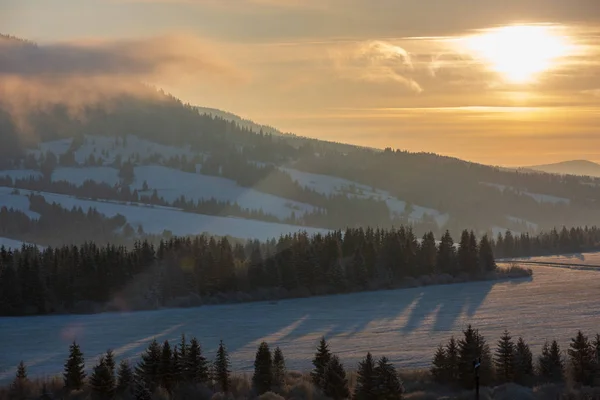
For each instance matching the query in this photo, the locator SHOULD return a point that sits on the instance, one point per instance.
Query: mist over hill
(574, 167)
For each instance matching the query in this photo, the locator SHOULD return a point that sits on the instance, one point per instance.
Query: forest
(446, 184)
(192, 271)
(183, 371)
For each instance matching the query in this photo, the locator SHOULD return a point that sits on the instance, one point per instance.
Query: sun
(520, 53)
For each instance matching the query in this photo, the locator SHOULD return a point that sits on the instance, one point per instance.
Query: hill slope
(574, 167)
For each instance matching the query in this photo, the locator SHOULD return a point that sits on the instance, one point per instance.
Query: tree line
(56, 279)
(171, 368)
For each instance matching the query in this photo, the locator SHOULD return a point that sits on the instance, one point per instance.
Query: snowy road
(406, 325)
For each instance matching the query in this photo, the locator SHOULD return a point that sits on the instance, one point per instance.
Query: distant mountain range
(574, 167)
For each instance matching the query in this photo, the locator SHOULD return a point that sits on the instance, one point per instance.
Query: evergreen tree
(551, 367)
(148, 368)
(366, 383)
(18, 389)
(109, 360)
(523, 363)
(439, 366)
(195, 365)
(221, 368)
(102, 381)
(504, 358)
(360, 274)
(596, 351)
(262, 380)
(388, 383)
(335, 383)
(473, 346)
(142, 391)
(74, 373)
(124, 377)
(446, 257)
(320, 362)
(487, 262)
(278, 368)
(452, 361)
(165, 369)
(176, 366)
(581, 357)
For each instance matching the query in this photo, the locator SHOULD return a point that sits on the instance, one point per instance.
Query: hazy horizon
(510, 85)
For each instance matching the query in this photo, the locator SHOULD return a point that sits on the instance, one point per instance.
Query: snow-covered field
(10, 243)
(18, 202)
(329, 185)
(540, 198)
(157, 219)
(405, 325)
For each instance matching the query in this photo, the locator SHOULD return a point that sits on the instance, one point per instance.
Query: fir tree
(142, 391)
(366, 383)
(148, 368)
(165, 369)
(473, 346)
(102, 381)
(262, 380)
(439, 366)
(19, 385)
(446, 256)
(359, 267)
(452, 361)
(504, 358)
(320, 362)
(335, 383)
(176, 366)
(388, 383)
(523, 363)
(581, 357)
(74, 374)
(551, 367)
(124, 377)
(195, 364)
(487, 262)
(221, 368)
(278, 368)
(109, 360)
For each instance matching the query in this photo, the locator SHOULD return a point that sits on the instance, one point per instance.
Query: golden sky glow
(508, 83)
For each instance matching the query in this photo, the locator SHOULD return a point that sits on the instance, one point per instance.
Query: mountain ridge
(569, 167)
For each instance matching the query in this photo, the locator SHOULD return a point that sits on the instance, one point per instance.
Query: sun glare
(520, 52)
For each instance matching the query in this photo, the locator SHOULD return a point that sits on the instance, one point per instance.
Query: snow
(15, 174)
(405, 325)
(58, 147)
(10, 243)
(329, 185)
(540, 198)
(157, 219)
(133, 145)
(18, 202)
(77, 176)
(531, 225)
(171, 184)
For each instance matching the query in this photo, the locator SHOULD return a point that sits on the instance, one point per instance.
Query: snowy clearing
(405, 325)
(20, 174)
(18, 202)
(10, 243)
(540, 198)
(157, 219)
(328, 185)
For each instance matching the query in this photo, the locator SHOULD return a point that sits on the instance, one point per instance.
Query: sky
(513, 82)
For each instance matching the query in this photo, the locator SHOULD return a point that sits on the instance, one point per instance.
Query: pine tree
(473, 346)
(177, 367)
(262, 380)
(221, 368)
(124, 377)
(504, 358)
(446, 256)
(165, 369)
(196, 365)
(147, 369)
(335, 383)
(19, 385)
(439, 366)
(142, 391)
(452, 361)
(278, 368)
(109, 360)
(581, 359)
(366, 383)
(523, 363)
(551, 367)
(102, 381)
(359, 267)
(388, 383)
(487, 262)
(74, 374)
(320, 362)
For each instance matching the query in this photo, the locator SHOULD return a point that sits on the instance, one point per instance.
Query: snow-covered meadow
(405, 325)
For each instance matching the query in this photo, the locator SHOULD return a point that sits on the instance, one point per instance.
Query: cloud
(377, 61)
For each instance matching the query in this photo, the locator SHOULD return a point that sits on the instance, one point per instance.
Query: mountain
(574, 167)
(141, 163)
